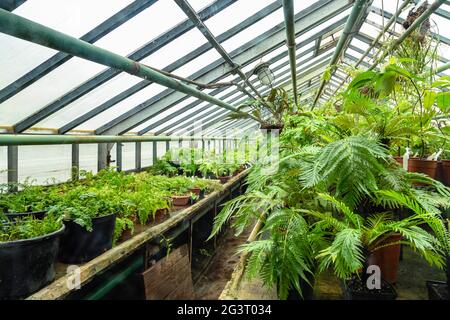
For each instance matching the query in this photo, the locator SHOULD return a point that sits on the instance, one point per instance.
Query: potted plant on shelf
(28, 252)
(439, 225)
(89, 216)
(30, 200)
(355, 240)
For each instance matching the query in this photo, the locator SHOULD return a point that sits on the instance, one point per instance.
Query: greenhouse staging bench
(128, 257)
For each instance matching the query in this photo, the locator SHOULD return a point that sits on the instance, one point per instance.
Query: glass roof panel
(74, 17)
(122, 107)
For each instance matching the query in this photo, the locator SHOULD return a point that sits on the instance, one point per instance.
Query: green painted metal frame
(358, 10)
(288, 9)
(31, 31)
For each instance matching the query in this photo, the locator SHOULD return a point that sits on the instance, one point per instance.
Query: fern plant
(355, 237)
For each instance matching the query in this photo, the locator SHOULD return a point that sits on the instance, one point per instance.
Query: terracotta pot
(445, 172)
(161, 214)
(196, 191)
(428, 167)
(126, 235)
(180, 200)
(387, 258)
(399, 160)
(224, 179)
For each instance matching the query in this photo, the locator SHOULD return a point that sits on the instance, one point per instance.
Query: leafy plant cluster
(28, 227)
(132, 197)
(197, 162)
(338, 195)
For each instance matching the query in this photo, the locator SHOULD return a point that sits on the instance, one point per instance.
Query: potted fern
(28, 253)
(439, 225)
(356, 239)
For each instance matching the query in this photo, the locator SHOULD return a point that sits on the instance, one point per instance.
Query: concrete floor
(412, 275)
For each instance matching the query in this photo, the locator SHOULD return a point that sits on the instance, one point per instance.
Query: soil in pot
(79, 245)
(37, 214)
(356, 289)
(224, 179)
(28, 265)
(180, 200)
(388, 258)
(428, 167)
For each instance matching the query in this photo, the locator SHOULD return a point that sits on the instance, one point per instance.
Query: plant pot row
(438, 170)
(28, 265)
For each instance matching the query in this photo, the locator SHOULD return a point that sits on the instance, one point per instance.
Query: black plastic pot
(437, 290)
(79, 245)
(37, 214)
(356, 289)
(28, 265)
(307, 290)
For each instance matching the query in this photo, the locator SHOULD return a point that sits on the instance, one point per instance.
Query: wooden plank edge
(59, 288)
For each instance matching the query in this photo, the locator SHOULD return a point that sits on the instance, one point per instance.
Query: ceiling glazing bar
(431, 9)
(110, 73)
(58, 59)
(30, 31)
(355, 19)
(271, 61)
(11, 5)
(170, 68)
(190, 12)
(288, 9)
(251, 51)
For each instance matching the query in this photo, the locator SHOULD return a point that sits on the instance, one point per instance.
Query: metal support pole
(288, 8)
(75, 162)
(13, 167)
(47, 139)
(138, 156)
(119, 156)
(167, 146)
(359, 8)
(155, 152)
(190, 12)
(375, 41)
(102, 156)
(28, 30)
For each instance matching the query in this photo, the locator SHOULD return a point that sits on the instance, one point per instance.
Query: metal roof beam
(25, 29)
(190, 12)
(288, 9)
(110, 73)
(10, 5)
(246, 54)
(271, 61)
(431, 9)
(197, 118)
(58, 59)
(353, 24)
(172, 67)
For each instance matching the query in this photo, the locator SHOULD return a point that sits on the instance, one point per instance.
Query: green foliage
(28, 228)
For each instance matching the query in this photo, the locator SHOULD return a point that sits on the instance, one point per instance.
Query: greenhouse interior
(224, 150)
